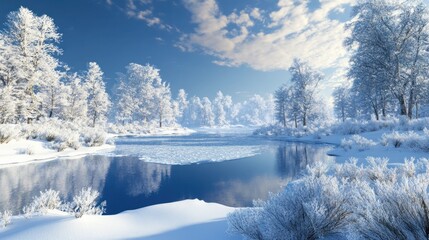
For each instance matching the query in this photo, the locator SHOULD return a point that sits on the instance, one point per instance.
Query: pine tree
(98, 100)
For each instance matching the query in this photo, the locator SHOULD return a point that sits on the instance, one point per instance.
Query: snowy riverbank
(25, 151)
(394, 139)
(188, 219)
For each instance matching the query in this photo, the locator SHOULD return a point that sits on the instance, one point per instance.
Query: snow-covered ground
(24, 151)
(342, 154)
(165, 131)
(395, 139)
(214, 144)
(188, 219)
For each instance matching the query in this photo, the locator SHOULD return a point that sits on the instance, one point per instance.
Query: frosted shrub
(409, 139)
(245, 221)
(26, 151)
(310, 208)
(47, 200)
(7, 133)
(85, 203)
(398, 211)
(5, 218)
(357, 141)
(363, 202)
(94, 137)
(346, 144)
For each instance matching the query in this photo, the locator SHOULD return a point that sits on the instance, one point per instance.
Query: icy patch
(179, 155)
(188, 150)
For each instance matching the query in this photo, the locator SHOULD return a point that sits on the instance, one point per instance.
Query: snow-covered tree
(182, 103)
(305, 82)
(143, 97)
(219, 109)
(207, 116)
(283, 102)
(98, 100)
(255, 111)
(389, 43)
(76, 107)
(31, 46)
(164, 109)
(194, 113)
(343, 107)
(7, 105)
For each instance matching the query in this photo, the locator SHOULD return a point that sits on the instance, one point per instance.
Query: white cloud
(292, 30)
(141, 10)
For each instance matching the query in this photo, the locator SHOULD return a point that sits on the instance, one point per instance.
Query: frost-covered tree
(282, 101)
(98, 100)
(305, 81)
(76, 108)
(193, 115)
(257, 111)
(31, 46)
(343, 102)
(182, 103)
(219, 109)
(389, 43)
(164, 108)
(7, 105)
(52, 95)
(144, 97)
(207, 116)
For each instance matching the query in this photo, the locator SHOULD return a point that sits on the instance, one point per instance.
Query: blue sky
(239, 47)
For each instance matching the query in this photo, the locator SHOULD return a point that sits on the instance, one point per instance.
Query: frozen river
(229, 169)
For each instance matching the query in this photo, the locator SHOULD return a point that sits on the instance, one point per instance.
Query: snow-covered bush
(5, 218)
(371, 201)
(310, 208)
(85, 203)
(94, 137)
(26, 151)
(357, 142)
(351, 127)
(47, 200)
(408, 139)
(7, 133)
(278, 130)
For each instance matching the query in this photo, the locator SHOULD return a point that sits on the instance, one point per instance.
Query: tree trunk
(411, 102)
(403, 105)
(377, 116)
(304, 120)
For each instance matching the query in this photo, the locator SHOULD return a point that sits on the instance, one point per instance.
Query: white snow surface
(188, 219)
(209, 145)
(24, 151)
(395, 155)
(165, 131)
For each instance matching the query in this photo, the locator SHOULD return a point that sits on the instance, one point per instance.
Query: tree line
(35, 85)
(388, 74)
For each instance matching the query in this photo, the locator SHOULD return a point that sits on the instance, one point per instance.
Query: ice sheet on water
(187, 149)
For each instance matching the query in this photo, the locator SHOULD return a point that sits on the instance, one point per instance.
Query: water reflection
(129, 183)
(292, 158)
(18, 185)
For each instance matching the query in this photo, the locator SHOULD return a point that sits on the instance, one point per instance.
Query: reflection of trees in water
(239, 193)
(139, 177)
(293, 158)
(18, 185)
